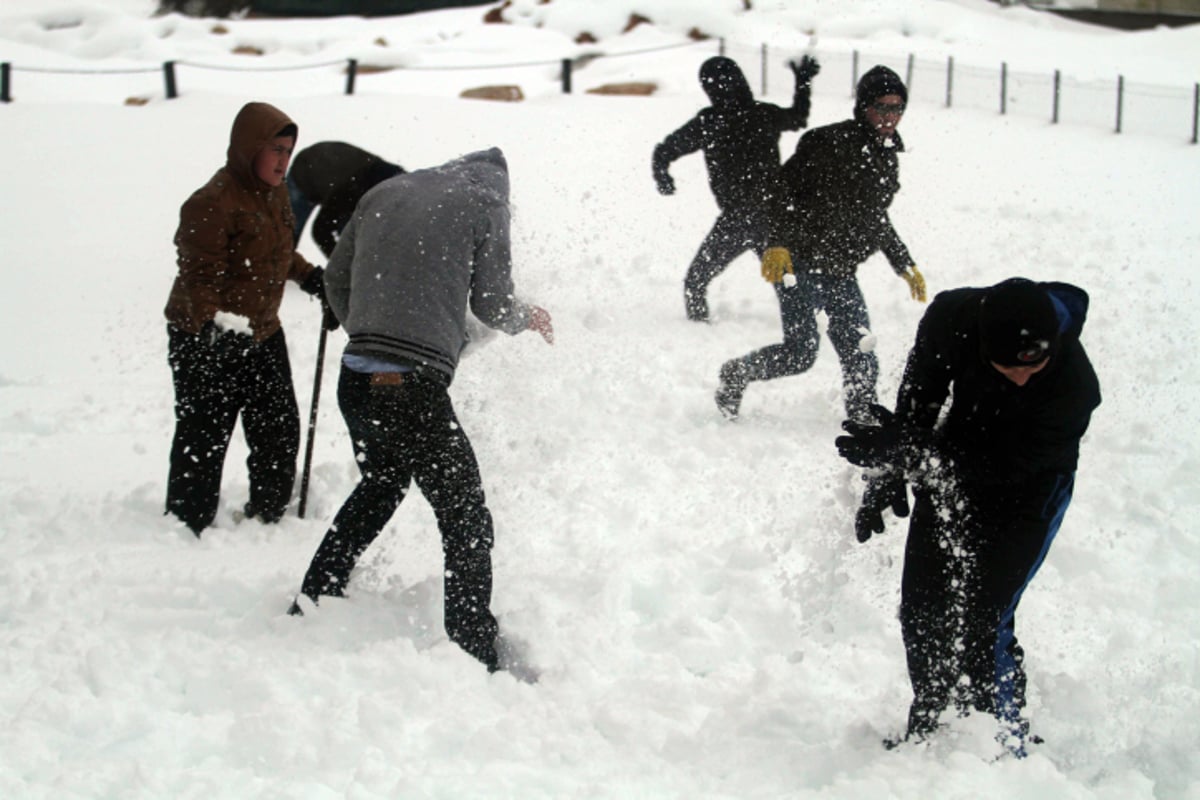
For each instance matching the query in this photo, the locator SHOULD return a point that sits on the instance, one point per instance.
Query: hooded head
(723, 82)
(487, 170)
(877, 82)
(1018, 324)
(253, 129)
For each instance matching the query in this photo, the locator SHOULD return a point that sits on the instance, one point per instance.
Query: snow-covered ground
(705, 623)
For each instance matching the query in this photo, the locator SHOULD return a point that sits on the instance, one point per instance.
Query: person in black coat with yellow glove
(840, 182)
(992, 479)
(740, 139)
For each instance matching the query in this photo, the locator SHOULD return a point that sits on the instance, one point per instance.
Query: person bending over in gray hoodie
(420, 248)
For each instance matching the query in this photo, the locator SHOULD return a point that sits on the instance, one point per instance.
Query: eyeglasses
(888, 108)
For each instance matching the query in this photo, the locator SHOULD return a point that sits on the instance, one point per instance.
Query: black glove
(887, 490)
(873, 444)
(664, 181)
(805, 70)
(314, 284)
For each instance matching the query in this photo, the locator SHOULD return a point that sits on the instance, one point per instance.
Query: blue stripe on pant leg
(1008, 709)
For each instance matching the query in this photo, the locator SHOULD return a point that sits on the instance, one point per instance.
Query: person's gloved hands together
(776, 262)
(805, 69)
(223, 342)
(886, 490)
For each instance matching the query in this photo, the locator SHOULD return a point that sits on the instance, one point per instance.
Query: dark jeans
(966, 565)
(213, 384)
(734, 232)
(402, 433)
(842, 301)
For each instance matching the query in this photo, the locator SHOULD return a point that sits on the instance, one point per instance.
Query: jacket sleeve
(782, 210)
(202, 252)
(338, 271)
(796, 117)
(493, 299)
(892, 246)
(928, 371)
(687, 139)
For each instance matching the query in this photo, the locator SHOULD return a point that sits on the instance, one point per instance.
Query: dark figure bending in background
(740, 139)
(334, 176)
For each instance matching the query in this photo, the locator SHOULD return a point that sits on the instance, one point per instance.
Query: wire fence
(1123, 106)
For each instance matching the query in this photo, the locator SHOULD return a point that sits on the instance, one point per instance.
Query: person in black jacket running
(334, 176)
(840, 182)
(992, 482)
(740, 139)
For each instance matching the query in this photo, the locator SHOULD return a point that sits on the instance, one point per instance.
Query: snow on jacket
(234, 241)
(418, 250)
(738, 134)
(841, 181)
(1000, 435)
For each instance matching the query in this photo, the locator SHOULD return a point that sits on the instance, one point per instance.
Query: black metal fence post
(1120, 100)
(351, 74)
(1057, 95)
(1003, 88)
(721, 47)
(5, 85)
(908, 73)
(566, 75)
(169, 79)
(764, 69)
(949, 81)
(1196, 114)
(854, 73)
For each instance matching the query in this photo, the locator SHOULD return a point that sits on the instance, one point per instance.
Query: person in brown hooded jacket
(226, 346)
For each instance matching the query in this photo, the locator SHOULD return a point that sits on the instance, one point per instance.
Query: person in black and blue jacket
(992, 477)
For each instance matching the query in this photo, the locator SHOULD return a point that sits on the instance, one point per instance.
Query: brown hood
(253, 128)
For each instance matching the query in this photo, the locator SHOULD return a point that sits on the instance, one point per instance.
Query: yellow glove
(912, 276)
(776, 262)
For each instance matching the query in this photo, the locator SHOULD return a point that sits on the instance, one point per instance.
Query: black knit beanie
(874, 84)
(1018, 326)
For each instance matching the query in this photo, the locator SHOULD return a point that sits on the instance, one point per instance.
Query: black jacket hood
(724, 83)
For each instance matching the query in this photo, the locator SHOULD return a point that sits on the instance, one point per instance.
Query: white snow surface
(704, 621)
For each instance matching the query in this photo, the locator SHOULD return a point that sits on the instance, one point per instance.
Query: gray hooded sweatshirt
(420, 248)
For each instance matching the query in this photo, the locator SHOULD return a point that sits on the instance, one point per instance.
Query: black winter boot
(733, 379)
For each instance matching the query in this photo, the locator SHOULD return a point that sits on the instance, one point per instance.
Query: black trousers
(404, 432)
(213, 385)
(734, 232)
(842, 301)
(967, 561)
